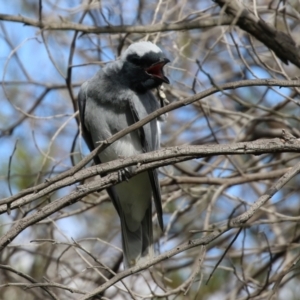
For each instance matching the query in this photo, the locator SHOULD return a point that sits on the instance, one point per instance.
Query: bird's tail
(137, 243)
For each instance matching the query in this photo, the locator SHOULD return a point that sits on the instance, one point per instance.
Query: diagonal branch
(279, 42)
(54, 181)
(159, 158)
(148, 160)
(235, 222)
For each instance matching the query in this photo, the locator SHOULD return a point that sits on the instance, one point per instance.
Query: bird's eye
(134, 59)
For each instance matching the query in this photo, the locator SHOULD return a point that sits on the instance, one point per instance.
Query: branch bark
(279, 42)
(150, 160)
(157, 113)
(144, 162)
(235, 222)
(66, 25)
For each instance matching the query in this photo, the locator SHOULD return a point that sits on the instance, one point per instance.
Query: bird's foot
(124, 174)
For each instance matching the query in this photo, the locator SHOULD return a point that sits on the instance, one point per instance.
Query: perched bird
(116, 97)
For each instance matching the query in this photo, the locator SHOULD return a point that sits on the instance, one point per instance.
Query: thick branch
(66, 25)
(187, 152)
(235, 222)
(279, 42)
(155, 114)
(156, 159)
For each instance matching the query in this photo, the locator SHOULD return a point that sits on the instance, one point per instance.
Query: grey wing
(150, 144)
(82, 99)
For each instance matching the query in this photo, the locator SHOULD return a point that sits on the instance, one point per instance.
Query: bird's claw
(124, 174)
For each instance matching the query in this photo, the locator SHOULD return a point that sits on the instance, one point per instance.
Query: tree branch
(155, 114)
(279, 42)
(66, 25)
(235, 222)
(144, 162)
(156, 159)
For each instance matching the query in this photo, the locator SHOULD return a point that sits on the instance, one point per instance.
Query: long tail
(137, 243)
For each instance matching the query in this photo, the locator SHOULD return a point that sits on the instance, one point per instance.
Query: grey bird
(116, 97)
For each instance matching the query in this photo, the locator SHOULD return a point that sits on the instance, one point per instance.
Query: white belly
(127, 146)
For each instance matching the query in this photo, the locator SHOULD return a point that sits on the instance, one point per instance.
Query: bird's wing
(85, 132)
(82, 97)
(153, 174)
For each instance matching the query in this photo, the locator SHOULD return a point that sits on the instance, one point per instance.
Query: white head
(142, 66)
(140, 48)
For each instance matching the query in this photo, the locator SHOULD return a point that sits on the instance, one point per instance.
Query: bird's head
(143, 64)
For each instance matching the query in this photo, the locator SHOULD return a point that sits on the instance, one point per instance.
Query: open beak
(156, 70)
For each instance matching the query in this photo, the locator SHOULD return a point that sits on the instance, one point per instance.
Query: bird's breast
(128, 145)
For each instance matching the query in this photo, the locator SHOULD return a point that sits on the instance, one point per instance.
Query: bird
(119, 95)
